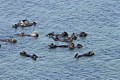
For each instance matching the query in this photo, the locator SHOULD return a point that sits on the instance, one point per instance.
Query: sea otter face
(64, 34)
(83, 34)
(79, 46)
(91, 53)
(72, 46)
(34, 34)
(23, 53)
(13, 40)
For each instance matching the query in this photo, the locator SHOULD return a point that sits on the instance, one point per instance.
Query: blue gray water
(99, 18)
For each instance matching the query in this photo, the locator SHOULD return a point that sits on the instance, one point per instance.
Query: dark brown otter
(24, 23)
(13, 40)
(33, 34)
(55, 46)
(83, 34)
(23, 53)
(86, 54)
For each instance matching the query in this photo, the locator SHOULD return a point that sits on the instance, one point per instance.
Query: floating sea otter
(33, 34)
(13, 40)
(65, 39)
(24, 23)
(82, 34)
(86, 54)
(63, 34)
(55, 46)
(70, 46)
(23, 53)
(73, 36)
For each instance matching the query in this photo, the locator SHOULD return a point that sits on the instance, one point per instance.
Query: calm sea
(99, 18)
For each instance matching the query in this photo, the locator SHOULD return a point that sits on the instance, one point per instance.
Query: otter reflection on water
(24, 23)
(33, 34)
(91, 53)
(23, 53)
(13, 40)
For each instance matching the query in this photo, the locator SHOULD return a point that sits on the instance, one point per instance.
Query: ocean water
(99, 18)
